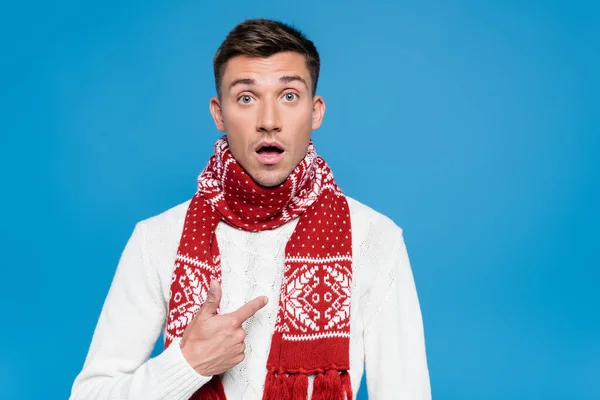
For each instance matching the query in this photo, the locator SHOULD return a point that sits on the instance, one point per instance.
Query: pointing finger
(249, 309)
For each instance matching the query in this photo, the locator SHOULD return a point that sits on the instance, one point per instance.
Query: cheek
(300, 129)
(239, 128)
(299, 119)
(236, 119)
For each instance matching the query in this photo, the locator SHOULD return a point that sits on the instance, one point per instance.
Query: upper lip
(268, 143)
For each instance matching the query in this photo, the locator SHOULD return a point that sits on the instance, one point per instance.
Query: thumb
(213, 299)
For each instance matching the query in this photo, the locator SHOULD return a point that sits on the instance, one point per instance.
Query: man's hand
(214, 343)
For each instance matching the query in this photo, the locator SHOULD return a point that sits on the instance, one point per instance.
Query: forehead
(267, 69)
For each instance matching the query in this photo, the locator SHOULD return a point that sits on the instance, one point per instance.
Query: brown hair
(264, 38)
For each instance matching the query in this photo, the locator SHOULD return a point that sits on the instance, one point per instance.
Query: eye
(290, 96)
(245, 99)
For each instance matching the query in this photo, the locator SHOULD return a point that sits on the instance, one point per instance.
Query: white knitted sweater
(386, 327)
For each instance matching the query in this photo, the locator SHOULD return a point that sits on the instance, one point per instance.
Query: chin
(270, 180)
(270, 183)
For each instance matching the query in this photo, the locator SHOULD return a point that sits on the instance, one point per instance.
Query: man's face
(268, 113)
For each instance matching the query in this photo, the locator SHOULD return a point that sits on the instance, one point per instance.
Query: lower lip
(269, 158)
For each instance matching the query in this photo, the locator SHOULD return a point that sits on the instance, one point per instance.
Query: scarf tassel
(286, 387)
(332, 385)
(346, 384)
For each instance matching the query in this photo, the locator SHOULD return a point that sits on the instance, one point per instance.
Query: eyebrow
(283, 79)
(292, 78)
(242, 81)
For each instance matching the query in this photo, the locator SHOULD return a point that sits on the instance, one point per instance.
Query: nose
(268, 120)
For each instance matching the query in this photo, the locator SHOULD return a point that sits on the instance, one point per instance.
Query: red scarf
(312, 331)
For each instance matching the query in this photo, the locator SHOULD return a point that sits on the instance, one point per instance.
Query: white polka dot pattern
(314, 305)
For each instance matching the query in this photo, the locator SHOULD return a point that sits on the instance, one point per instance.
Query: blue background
(474, 125)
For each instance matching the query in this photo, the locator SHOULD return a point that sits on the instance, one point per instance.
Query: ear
(318, 112)
(217, 113)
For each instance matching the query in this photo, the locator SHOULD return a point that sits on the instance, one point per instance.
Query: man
(269, 283)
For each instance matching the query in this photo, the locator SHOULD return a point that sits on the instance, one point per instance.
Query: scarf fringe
(346, 384)
(297, 386)
(332, 385)
(328, 386)
(286, 387)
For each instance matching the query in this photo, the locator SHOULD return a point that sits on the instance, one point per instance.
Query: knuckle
(233, 323)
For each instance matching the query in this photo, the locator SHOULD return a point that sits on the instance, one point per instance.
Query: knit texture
(312, 332)
(387, 344)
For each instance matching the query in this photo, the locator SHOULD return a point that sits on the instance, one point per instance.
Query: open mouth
(269, 154)
(269, 150)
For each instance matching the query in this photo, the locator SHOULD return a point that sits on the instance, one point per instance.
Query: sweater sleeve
(395, 357)
(117, 365)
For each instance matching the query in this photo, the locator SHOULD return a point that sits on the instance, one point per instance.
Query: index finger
(249, 309)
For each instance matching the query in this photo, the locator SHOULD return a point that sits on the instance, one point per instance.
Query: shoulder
(165, 225)
(378, 245)
(367, 221)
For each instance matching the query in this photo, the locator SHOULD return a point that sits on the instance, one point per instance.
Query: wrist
(191, 357)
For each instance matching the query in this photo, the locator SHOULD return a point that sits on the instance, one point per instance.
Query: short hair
(264, 38)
